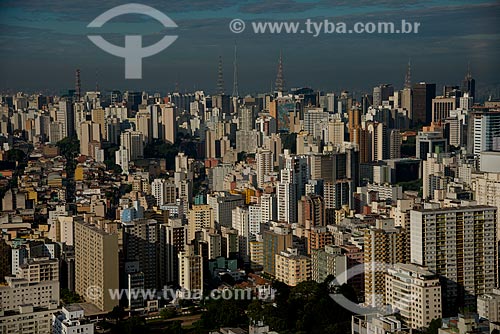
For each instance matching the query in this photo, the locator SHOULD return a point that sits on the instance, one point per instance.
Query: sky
(42, 42)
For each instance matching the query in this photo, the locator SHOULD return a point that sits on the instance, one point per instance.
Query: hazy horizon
(44, 42)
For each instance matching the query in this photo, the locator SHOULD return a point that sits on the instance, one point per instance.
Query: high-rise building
(421, 109)
(156, 122)
(488, 306)
(90, 132)
(164, 191)
(268, 208)
(66, 116)
(169, 123)
(434, 175)
(378, 141)
(28, 307)
(144, 125)
(200, 217)
(441, 107)
(246, 118)
(141, 244)
(485, 134)
(190, 270)
(486, 187)
(469, 84)
(328, 261)
(384, 244)
(430, 142)
(382, 93)
(248, 226)
(287, 196)
(300, 168)
(311, 211)
(336, 132)
(415, 293)
(173, 238)
(292, 268)
(336, 194)
(395, 142)
(223, 204)
(96, 265)
(313, 116)
(276, 240)
(460, 245)
(133, 142)
(264, 160)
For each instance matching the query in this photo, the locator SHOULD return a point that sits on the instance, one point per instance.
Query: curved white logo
(359, 269)
(133, 52)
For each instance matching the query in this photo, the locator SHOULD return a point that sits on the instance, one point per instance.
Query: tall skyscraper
(144, 124)
(469, 84)
(422, 95)
(381, 93)
(141, 244)
(485, 131)
(247, 226)
(441, 107)
(190, 270)
(276, 240)
(460, 245)
(173, 238)
(66, 116)
(96, 265)
(133, 142)
(264, 160)
(384, 244)
(169, 123)
(287, 196)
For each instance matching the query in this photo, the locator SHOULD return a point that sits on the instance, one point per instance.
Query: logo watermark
(378, 270)
(325, 27)
(133, 51)
(95, 292)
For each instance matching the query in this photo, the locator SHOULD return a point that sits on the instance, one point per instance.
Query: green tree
(434, 326)
(174, 327)
(15, 155)
(69, 147)
(168, 313)
(117, 313)
(70, 297)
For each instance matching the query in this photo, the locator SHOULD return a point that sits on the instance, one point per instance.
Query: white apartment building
(415, 292)
(190, 270)
(458, 243)
(488, 306)
(71, 320)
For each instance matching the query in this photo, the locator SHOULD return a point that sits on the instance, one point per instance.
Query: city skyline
(56, 38)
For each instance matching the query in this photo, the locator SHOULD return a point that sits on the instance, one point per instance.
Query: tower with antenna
(220, 78)
(408, 75)
(469, 84)
(78, 86)
(235, 73)
(96, 80)
(280, 80)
